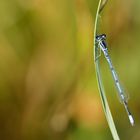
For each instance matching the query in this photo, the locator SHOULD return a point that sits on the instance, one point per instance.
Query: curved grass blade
(99, 79)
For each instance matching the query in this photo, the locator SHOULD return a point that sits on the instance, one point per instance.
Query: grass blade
(99, 80)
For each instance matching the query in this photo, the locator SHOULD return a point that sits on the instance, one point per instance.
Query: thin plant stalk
(99, 78)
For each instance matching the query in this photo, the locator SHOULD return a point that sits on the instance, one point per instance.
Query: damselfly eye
(103, 36)
(97, 37)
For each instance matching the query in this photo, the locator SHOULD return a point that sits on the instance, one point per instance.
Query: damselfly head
(101, 37)
(102, 40)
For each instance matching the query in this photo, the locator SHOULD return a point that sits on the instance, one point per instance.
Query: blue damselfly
(102, 46)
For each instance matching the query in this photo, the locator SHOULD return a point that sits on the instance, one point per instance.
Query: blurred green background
(48, 88)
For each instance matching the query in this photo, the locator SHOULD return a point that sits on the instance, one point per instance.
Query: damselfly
(101, 44)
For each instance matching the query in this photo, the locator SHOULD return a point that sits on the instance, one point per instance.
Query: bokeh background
(48, 87)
